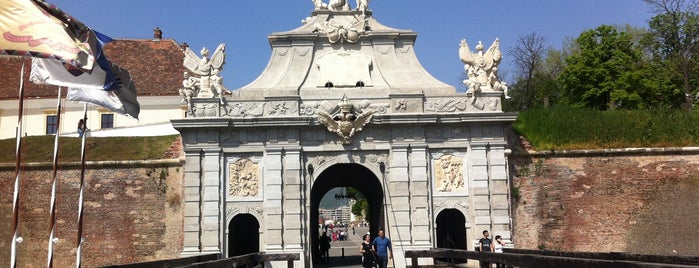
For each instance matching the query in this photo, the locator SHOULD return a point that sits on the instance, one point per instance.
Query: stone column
(192, 203)
(480, 188)
(398, 199)
(211, 207)
(272, 164)
(292, 200)
(499, 190)
(419, 198)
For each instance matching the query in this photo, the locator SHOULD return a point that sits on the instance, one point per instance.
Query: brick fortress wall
(132, 213)
(614, 202)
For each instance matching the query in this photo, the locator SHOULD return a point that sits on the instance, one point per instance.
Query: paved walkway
(346, 253)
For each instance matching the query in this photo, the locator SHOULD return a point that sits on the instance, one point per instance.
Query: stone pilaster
(192, 203)
(398, 198)
(292, 199)
(272, 164)
(480, 188)
(419, 201)
(211, 203)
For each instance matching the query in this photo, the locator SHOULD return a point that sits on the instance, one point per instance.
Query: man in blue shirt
(383, 249)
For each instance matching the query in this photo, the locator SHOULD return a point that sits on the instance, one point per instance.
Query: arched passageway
(453, 223)
(243, 235)
(346, 175)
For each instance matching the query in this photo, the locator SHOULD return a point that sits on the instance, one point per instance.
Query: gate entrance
(243, 235)
(346, 175)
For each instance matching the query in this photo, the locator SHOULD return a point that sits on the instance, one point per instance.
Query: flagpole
(52, 218)
(78, 261)
(16, 238)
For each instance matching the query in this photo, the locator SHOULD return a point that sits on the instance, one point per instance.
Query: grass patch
(40, 148)
(566, 128)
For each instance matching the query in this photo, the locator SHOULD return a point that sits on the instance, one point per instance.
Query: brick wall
(621, 202)
(132, 213)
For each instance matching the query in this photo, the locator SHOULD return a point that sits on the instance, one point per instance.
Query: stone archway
(243, 235)
(453, 223)
(346, 175)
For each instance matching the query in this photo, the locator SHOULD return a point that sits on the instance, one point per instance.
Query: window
(51, 124)
(107, 121)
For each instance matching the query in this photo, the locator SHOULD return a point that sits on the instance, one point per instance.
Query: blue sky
(244, 25)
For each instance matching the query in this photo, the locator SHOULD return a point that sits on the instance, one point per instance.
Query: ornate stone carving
(340, 5)
(205, 109)
(243, 178)
(447, 105)
(206, 81)
(345, 123)
(482, 68)
(343, 31)
(449, 175)
(380, 108)
(244, 109)
(281, 108)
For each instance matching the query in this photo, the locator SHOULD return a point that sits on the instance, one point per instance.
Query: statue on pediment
(482, 67)
(340, 5)
(207, 71)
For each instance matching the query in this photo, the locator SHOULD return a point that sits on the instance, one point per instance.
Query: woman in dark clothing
(367, 252)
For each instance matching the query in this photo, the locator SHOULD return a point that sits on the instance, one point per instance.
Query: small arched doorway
(346, 175)
(243, 235)
(453, 223)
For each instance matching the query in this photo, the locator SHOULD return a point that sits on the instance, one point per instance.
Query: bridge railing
(211, 261)
(540, 259)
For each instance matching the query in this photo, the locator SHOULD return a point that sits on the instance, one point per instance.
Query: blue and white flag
(123, 100)
(54, 72)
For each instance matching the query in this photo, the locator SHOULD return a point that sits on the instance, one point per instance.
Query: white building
(157, 86)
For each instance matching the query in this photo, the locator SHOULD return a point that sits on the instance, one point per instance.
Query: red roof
(155, 67)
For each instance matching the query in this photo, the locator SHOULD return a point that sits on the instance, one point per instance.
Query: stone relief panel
(281, 108)
(244, 178)
(463, 104)
(449, 173)
(244, 109)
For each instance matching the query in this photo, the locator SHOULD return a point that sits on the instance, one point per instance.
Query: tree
(606, 72)
(528, 55)
(674, 32)
(361, 207)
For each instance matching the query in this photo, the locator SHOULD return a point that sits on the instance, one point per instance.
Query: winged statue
(206, 70)
(482, 67)
(345, 124)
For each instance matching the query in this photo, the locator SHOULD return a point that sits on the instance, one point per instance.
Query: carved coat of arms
(345, 123)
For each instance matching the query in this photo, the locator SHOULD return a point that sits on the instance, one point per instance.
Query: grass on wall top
(40, 148)
(566, 128)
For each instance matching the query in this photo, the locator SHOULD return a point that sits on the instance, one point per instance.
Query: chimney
(157, 34)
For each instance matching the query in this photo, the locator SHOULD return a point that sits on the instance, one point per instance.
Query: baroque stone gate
(343, 102)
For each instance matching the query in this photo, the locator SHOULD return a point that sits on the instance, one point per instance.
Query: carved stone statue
(340, 5)
(207, 71)
(345, 123)
(481, 67)
(188, 90)
(363, 5)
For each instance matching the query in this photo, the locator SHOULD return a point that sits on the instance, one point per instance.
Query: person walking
(383, 249)
(367, 252)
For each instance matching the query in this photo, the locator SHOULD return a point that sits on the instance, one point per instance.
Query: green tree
(673, 41)
(606, 71)
(361, 207)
